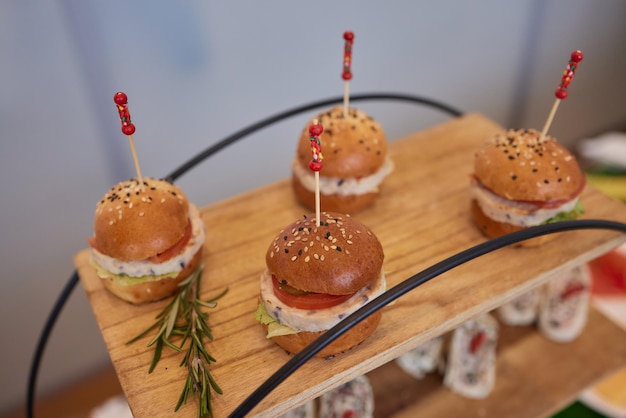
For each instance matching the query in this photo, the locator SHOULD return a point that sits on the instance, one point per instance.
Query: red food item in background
(608, 273)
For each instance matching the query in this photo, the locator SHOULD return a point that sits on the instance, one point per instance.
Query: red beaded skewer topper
(128, 129)
(347, 56)
(561, 91)
(568, 74)
(315, 131)
(121, 101)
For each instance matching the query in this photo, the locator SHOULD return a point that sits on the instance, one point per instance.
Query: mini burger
(147, 238)
(521, 180)
(355, 162)
(315, 277)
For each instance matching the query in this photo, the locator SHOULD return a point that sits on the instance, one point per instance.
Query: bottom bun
(151, 291)
(494, 229)
(333, 202)
(294, 343)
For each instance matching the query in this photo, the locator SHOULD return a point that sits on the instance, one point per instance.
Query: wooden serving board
(420, 218)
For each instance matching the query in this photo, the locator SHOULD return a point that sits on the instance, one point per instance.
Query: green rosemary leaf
(159, 334)
(171, 345)
(214, 385)
(196, 339)
(216, 298)
(184, 394)
(206, 304)
(157, 355)
(166, 310)
(143, 334)
(171, 320)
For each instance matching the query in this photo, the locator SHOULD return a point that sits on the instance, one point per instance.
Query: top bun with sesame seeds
(147, 238)
(339, 257)
(318, 275)
(355, 161)
(133, 222)
(522, 180)
(518, 166)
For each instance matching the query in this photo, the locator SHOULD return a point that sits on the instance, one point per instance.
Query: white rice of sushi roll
(564, 308)
(354, 399)
(522, 310)
(423, 359)
(471, 366)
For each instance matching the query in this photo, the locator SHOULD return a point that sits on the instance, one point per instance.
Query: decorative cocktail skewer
(315, 130)
(128, 129)
(347, 69)
(561, 91)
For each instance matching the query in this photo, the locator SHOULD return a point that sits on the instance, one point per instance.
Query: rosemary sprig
(183, 317)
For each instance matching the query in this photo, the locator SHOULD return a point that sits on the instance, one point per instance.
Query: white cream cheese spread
(523, 214)
(342, 186)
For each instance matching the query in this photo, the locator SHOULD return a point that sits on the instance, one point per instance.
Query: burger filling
(343, 186)
(133, 272)
(283, 319)
(522, 213)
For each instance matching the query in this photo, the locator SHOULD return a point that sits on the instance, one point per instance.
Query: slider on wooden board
(147, 237)
(356, 158)
(523, 178)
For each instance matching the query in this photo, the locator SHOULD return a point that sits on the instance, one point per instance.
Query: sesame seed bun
(294, 343)
(339, 257)
(134, 223)
(518, 166)
(353, 146)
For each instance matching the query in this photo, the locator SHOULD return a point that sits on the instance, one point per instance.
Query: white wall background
(197, 71)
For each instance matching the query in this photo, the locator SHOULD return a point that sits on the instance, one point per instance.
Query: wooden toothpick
(561, 91)
(315, 130)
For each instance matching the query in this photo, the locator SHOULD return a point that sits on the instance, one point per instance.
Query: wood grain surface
(421, 218)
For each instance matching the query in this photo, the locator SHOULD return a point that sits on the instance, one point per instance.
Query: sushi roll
(522, 310)
(564, 308)
(423, 359)
(354, 399)
(471, 366)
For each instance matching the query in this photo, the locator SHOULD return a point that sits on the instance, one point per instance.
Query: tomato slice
(306, 300)
(92, 243)
(175, 249)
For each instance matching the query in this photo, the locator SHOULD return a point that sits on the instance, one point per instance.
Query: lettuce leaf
(274, 328)
(126, 280)
(566, 216)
